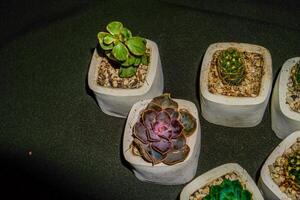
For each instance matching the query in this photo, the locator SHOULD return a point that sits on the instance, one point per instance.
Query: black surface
(46, 107)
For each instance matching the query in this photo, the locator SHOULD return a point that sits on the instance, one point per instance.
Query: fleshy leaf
(129, 62)
(126, 34)
(137, 61)
(163, 117)
(120, 52)
(144, 150)
(127, 72)
(176, 128)
(140, 131)
(145, 59)
(136, 45)
(188, 121)
(176, 156)
(174, 114)
(110, 56)
(154, 106)
(162, 130)
(148, 118)
(152, 136)
(114, 27)
(156, 156)
(165, 101)
(179, 142)
(162, 146)
(108, 39)
(101, 36)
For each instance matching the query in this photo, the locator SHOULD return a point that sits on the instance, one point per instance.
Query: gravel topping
(279, 174)
(292, 95)
(249, 87)
(204, 191)
(108, 75)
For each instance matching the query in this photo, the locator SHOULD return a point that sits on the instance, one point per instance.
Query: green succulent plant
(293, 168)
(120, 46)
(230, 65)
(228, 190)
(296, 76)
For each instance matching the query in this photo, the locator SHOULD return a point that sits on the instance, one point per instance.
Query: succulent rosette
(161, 132)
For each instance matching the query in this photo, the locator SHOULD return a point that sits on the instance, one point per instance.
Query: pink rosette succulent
(160, 134)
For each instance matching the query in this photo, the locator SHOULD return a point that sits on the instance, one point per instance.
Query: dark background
(46, 108)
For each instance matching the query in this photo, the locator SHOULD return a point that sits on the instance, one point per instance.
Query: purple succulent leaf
(179, 142)
(153, 136)
(148, 118)
(140, 132)
(162, 146)
(163, 117)
(188, 121)
(156, 156)
(176, 128)
(143, 150)
(176, 156)
(174, 114)
(165, 101)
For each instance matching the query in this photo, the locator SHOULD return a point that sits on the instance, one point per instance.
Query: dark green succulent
(293, 168)
(230, 65)
(296, 76)
(228, 190)
(120, 46)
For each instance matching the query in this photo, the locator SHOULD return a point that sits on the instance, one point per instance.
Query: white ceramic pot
(269, 188)
(235, 111)
(179, 173)
(217, 172)
(117, 101)
(284, 120)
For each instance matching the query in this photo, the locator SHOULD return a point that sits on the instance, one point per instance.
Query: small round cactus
(230, 65)
(296, 76)
(228, 190)
(160, 134)
(120, 46)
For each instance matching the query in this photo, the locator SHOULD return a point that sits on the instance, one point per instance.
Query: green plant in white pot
(125, 69)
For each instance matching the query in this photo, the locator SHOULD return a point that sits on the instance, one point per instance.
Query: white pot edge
(266, 85)
(284, 76)
(133, 117)
(265, 173)
(93, 74)
(217, 172)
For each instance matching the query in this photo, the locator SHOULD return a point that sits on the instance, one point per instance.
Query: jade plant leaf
(127, 72)
(137, 61)
(130, 61)
(145, 59)
(126, 34)
(104, 46)
(108, 39)
(120, 52)
(136, 45)
(114, 27)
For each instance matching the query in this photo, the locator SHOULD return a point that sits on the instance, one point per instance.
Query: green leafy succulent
(296, 76)
(230, 65)
(228, 190)
(120, 46)
(293, 168)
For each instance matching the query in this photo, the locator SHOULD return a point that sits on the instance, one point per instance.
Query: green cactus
(293, 168)
(228, 190)
(296, 76)
(120, 46)
(230, 65)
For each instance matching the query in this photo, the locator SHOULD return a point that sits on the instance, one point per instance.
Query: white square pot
(179, 173)
(269, 188)
(284, 120)
(117, 101)
(217, 172)
(235, 111)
